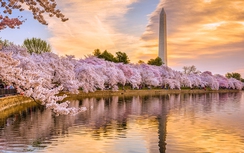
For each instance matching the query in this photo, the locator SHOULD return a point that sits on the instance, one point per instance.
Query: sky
(206, 33)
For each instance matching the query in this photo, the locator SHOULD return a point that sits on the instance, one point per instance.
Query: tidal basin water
(181, 123)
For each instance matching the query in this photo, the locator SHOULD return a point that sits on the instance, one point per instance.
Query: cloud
(205, 33)
(200, 28)
(91, 25)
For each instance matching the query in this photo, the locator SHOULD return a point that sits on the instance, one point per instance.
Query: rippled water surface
(212, 122)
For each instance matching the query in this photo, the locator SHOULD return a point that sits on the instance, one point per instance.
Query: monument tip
(162, 11)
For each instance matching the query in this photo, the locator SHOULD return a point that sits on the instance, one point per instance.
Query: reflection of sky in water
(208, 124)
(167, 123)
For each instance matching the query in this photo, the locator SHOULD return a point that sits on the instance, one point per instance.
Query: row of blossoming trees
(42, 76)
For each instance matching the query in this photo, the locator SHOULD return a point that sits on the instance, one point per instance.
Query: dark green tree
(97, 53)
(233, 75)
(157, 61)
(122, 57)
(140, 62)
(108, 56)
(36, 45)
(5, 43)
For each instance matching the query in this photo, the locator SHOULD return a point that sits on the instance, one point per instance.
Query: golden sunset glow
(109, 139)
(203, 135)
(205, 33)
(198, 31)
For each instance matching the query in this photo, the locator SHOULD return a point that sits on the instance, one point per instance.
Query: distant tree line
(119, 58)
(39, 46)
(122, 57)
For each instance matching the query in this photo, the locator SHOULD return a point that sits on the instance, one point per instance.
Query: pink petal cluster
(9, 22)
(39, 9)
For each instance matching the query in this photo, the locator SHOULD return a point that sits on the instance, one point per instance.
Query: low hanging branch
(35, 84)
(37, 7)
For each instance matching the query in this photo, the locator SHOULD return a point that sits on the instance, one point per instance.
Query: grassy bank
(144, 92)
(13, 104)
(12, 101)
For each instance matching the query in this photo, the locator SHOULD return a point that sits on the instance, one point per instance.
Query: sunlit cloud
(197, 29)
(199, 32)
(91, 25)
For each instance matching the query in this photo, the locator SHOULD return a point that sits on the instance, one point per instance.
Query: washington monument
(162, 47)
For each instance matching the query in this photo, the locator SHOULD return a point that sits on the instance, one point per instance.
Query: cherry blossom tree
(89, 80)
(131, 74)
(5, 22)
(150, 75)
(171, 78)
(235, 84)
(28, 78)
(108, 72)
(223, 81)
(37, 7)
(209, 80)
(185, 81)
(115, 76)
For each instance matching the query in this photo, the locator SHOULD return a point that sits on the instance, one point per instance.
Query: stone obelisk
(162, 47)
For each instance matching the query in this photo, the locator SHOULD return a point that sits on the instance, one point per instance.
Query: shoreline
(140, 92)
(143, 92)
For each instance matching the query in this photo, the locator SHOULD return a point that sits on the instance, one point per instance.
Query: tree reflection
(112, 118)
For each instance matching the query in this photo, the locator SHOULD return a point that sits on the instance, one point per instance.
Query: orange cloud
(200, 32)
(91, 25)
(210, 29)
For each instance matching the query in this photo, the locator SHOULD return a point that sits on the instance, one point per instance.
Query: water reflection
(166, 123)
